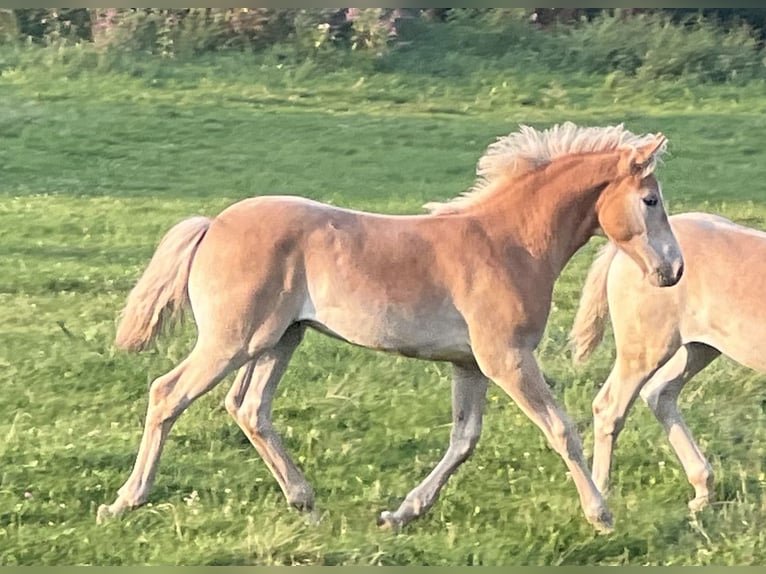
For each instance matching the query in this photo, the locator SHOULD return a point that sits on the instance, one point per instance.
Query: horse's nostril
(668, 276)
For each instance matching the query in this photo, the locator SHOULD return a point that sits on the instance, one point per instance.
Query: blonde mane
(528, 149)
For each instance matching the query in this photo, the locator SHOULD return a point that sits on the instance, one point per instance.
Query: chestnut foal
(469, 283)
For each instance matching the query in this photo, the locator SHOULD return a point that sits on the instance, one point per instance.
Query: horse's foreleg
(637, 362)
(661, 394)
(249, 402)
(517, 372)
(610, 408)
(469, 389)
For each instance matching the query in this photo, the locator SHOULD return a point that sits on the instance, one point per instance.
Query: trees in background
(214, 28)
(714, 45)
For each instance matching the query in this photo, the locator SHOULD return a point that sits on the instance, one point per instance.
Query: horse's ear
(641, 157)
(645, 153)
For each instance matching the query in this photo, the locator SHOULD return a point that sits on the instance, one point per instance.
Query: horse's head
(632, 214)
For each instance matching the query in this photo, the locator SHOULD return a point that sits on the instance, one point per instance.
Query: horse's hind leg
(661, 394)
(169, 396)
(249, 402)
(469, 389)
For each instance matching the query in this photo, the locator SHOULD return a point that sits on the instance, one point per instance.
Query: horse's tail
(161, 292)
(590, 320)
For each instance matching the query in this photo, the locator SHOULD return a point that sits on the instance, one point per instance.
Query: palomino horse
(666, 336)
(470, 283)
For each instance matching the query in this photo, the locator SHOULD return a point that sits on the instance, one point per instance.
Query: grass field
(94, 168)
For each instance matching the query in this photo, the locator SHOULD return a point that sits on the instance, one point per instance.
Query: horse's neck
(552, 211)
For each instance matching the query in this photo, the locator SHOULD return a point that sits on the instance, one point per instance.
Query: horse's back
(371, 279)
(718, 248)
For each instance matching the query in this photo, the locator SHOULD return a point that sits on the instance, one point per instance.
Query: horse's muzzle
(669, 275)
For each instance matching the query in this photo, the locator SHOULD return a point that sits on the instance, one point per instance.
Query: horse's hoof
(313, 517)
(301, 499)
(602, 521)
(305, 506)
(389, 520)
(105, 513)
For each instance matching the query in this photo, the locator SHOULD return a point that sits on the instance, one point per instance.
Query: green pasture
(96, 166)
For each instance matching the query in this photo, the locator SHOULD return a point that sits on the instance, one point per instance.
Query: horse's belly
(432, 336)
(435, 342)
(738, 335)
(741, 344)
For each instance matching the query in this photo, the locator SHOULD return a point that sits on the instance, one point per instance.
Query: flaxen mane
(529, 148)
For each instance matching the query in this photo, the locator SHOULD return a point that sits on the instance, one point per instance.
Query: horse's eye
(650, 200)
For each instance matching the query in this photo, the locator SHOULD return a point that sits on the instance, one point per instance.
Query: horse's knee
(605, 422)
(600, 404)
(161, 405)
(464, 445)
(172, 392)
(232, 405)
(465, 437)
(599, 417)
(610, 426)
(564, 439)
(256, 421)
